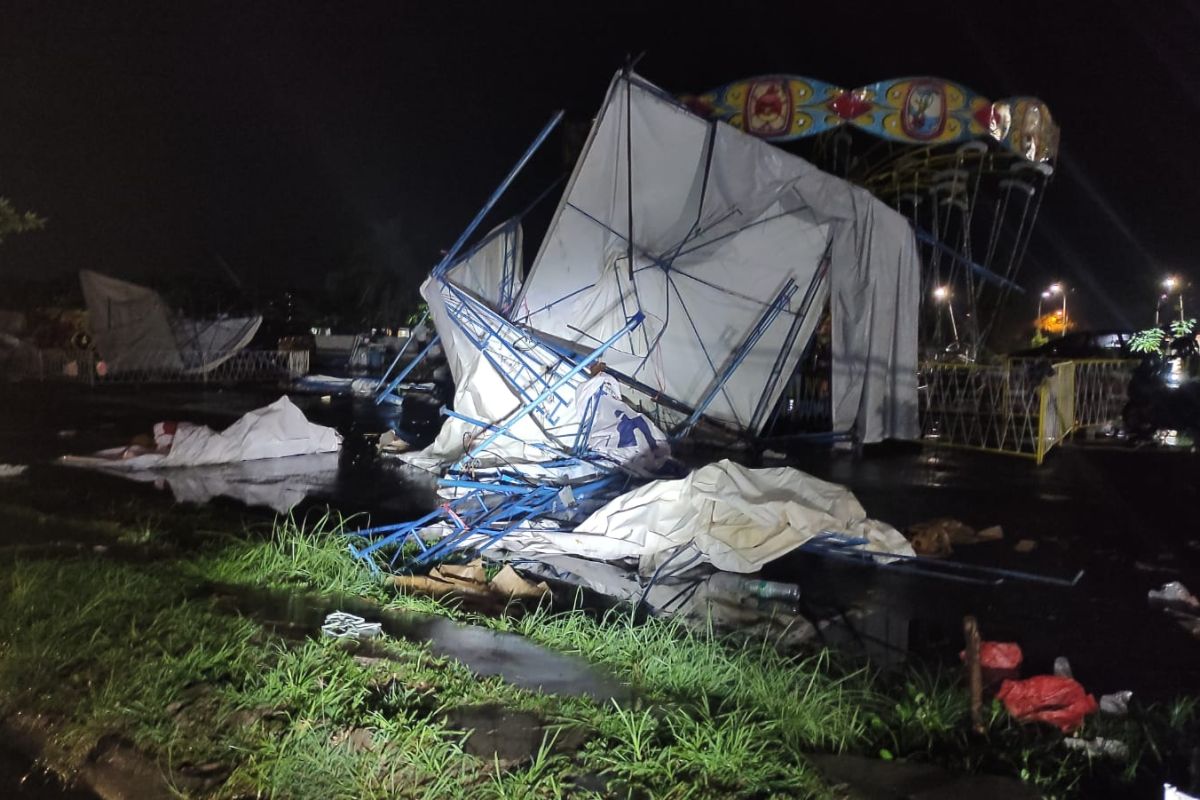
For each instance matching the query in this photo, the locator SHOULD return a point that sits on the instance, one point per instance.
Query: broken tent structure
(689, 262)
(135, 330)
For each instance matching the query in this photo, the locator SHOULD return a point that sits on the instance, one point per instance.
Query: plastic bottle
(734, 584)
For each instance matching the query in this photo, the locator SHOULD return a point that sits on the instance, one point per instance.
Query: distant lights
(941, 293)
(1170, 283)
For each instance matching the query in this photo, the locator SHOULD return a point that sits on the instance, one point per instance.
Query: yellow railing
(1021, 409)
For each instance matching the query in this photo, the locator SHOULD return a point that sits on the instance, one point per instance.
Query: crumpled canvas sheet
(731, 516)
(274, 431)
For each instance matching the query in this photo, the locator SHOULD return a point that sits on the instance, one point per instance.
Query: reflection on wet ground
(485, 652)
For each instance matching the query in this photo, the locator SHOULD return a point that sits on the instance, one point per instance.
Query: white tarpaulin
(274, 431)
(733, 517)
(491, 269)
(724, 226)
(476, 341)
(135, 330)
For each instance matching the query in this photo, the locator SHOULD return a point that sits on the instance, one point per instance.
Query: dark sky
(280, 136)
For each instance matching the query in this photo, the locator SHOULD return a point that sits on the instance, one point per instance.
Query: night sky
(280, 137)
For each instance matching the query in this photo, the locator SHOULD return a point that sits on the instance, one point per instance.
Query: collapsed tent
(135, 330)
(498, 369)
(724, 514)
(730, 247)
(274, 431)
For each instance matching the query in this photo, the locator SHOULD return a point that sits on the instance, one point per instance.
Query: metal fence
(1101, 392)
(1021, 409)
(246, 366)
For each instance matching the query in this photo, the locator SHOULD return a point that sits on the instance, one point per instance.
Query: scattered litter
(1175, 599)
(341, 625)
(734, 584)
(930, 540)
(1025, 546)
(1111, 748)
(12, 470)
(1116, 703)
(470, 580)
(991, 534)
(1176, 596)
(1062, 667)
(998, 655)
(1062, 702)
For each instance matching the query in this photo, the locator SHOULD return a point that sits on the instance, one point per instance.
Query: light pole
(1038, 322)
(942, 295)
(1171, 283)
(1057, 288)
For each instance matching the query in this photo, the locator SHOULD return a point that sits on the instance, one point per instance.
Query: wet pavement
(1124, 517)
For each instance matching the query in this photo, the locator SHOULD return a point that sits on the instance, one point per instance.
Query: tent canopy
(730, 247)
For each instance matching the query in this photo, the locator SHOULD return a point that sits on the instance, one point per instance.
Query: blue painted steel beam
(528, 408)
(777, 305)
(495, 196)
(405, 372)
(981, 271)
(403, 350)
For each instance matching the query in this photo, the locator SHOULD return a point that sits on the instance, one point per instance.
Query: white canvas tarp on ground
(732, 517)
(135, 330)
(721, 222)
(274, 431)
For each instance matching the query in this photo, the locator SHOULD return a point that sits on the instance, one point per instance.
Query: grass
(102, 647)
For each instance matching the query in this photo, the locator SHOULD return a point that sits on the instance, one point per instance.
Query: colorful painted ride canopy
(911, 110)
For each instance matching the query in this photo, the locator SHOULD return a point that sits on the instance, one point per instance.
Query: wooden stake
(974, 672)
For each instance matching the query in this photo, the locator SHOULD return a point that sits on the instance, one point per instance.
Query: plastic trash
(1062, 667)
(998, 655)
(1174, 595)
(1062, 702)
(341, 625)
(734, 584)
(1110, 748)
(1116, 703)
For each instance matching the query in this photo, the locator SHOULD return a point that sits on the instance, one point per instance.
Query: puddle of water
(20, 779)
(485, 652)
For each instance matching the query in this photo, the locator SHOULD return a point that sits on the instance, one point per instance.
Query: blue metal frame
(408, 368)
(738, 356)
(495, 196)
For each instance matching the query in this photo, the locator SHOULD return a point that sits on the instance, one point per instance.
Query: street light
(942, 295)
(1057, 288)
(1038, 322)
(1171, 283)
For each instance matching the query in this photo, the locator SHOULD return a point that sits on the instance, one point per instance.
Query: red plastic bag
(998, 655)
(1048, 698)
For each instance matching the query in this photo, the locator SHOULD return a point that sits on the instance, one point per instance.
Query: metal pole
(1064, 312)
(396, 381)
(953, 324)
(1037, 323)
(404, 349)
(1181, 305)
(462, 239)
(502, 428)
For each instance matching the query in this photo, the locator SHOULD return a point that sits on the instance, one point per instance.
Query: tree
(13, 222)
